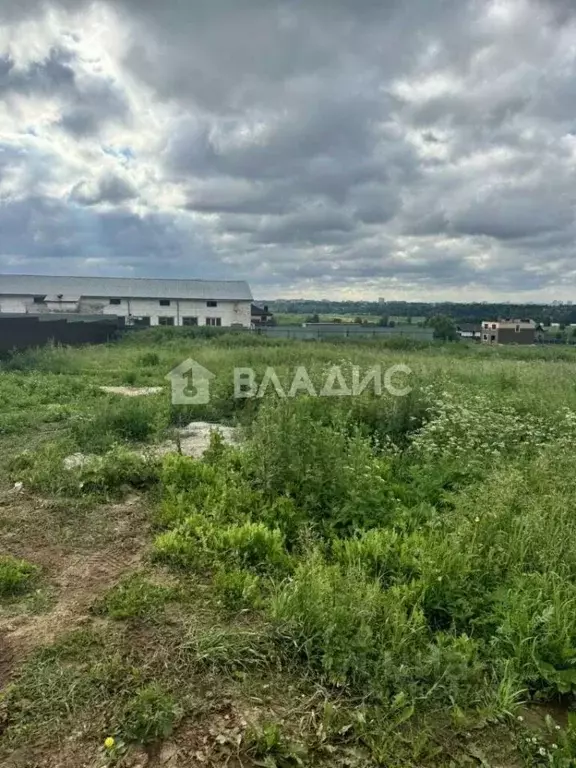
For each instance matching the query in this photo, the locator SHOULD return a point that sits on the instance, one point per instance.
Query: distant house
(260, 315)
(509, 332)
(469, 330)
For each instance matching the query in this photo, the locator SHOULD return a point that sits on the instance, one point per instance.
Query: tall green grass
(455, 591)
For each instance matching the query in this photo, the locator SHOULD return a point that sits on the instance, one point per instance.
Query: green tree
(444, 327)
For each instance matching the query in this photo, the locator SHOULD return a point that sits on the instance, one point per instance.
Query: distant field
(298, 319)
(363, 581)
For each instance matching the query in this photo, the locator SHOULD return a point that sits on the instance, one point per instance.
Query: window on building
(116, 302)
(189, 321)
(39, 299)
(493, 338)
(494, 326)
(164, 302)
(211, 303)
(216, 321)
(485, 337)
(165, 321)
(486, 325)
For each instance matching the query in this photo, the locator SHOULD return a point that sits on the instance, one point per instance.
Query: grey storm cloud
(40, 230)
(427, 144)
(87, 102)
(52, 75)
(109, 189)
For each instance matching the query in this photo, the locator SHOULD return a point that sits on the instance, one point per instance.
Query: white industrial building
(141, 301)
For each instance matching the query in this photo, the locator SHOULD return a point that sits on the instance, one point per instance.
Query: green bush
(16, 576)
(332, 476)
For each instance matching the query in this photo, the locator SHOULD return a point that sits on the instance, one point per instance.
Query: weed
(129, 419)
(16, 576)
(135, 597)
(230, 649)
(266, 742)
(415, 556)
(149, 360)
(237, 589)
(150, 715)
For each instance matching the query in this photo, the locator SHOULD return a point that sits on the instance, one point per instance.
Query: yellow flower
(109, 742)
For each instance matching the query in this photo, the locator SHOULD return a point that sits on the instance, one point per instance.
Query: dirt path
(81, 555)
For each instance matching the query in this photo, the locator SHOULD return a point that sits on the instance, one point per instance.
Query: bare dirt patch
(193, 440)
(74, 571)
(132, 391)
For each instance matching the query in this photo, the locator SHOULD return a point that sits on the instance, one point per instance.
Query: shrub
(334, 478)
(16, 576)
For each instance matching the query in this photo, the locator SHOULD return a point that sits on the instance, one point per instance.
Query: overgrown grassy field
(363, 580)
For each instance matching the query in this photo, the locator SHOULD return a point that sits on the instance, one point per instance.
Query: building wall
(511, 336)
(14, 303)
(508, 336)
(229, 312)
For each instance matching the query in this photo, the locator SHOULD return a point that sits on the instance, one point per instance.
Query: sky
(405, 149)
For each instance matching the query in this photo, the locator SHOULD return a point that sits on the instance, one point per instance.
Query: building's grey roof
(124, 287)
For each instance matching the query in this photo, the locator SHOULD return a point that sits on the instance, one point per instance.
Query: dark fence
(23, 331)
(346, 330)
(26, 331)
